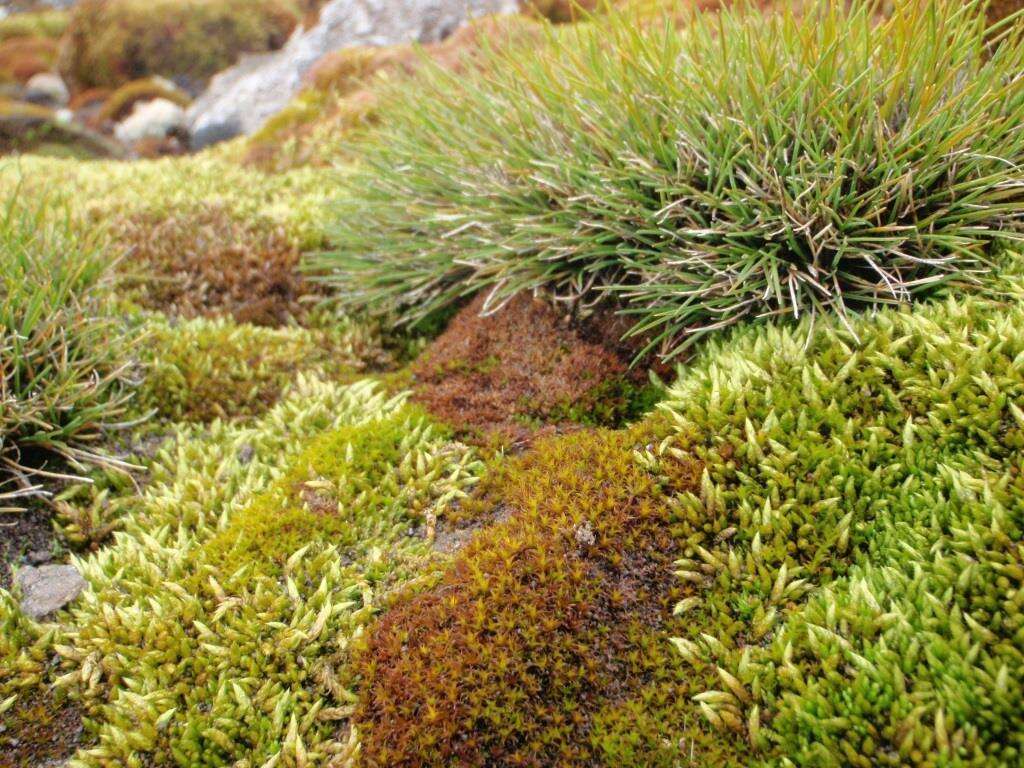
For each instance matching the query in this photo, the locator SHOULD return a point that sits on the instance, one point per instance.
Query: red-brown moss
(543, 645)
(523, 366)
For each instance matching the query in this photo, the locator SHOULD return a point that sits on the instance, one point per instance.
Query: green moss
(247, 663)
(348, 489)
(853, 555)
(50, 24)
(614, 403)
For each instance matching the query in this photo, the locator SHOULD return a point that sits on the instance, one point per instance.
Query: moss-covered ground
(311, 537)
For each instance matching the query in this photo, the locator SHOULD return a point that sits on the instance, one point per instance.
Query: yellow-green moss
(202, 369)
(51, 24)
(350, 489)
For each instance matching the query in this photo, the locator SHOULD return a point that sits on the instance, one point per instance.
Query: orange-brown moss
(543, 643)
(525, 365)
(111, 42)
(210, 264)
(23, 57)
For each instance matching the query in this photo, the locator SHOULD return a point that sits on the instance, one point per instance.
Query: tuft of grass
(750, 165)
(64, 359)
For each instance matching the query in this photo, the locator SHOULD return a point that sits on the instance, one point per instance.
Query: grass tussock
(64, 359)
(755, 165)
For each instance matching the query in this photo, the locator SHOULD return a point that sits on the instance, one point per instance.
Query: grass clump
(543, 644)
(112, 42)
(852, 558)
(752, 165)
(64, 358)
(202, 369)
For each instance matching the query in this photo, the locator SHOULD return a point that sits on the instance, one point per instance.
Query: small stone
(47, 89)
(39, 556)
(156, 119)
(585, 535)
(48, 588)
(246, 454)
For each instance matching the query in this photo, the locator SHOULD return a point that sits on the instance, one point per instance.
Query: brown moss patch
(524, 366)
(39, 730)
(209, 264)
(543, 644)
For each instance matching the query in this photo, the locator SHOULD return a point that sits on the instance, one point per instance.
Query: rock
(48, 588)
(156, 119)
(47, 89)
(242, 98)
(28, 127)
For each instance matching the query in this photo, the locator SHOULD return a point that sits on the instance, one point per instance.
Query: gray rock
(156, 119)
(242, 98)
(47, 89)
(49, 588)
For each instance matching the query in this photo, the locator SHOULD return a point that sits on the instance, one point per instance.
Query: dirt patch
(39, 731)
(26, 538)
(209, 264)
(526, 366)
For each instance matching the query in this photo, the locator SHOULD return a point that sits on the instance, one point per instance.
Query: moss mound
(865, 608)
(543, 645)
(48, 23)
(526, 365)
(112, 42)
